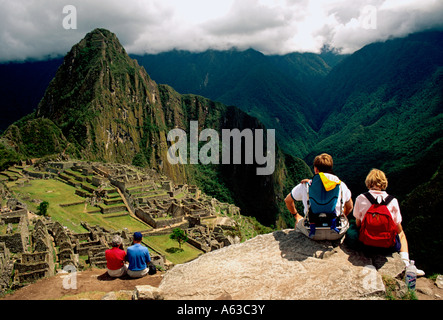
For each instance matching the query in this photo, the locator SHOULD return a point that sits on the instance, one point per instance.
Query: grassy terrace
(11, 173)
(168, 247)
(56, 193)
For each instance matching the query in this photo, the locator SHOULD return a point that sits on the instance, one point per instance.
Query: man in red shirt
(115, 258)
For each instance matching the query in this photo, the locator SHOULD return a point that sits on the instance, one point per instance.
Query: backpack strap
(388, 199)
(342, 205)
(372, 200)
(370, 197)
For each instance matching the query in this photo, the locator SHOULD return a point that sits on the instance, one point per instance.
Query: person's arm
(357, 210)
(404, 250)
(349, 205)
(290, 204)
(403, 240)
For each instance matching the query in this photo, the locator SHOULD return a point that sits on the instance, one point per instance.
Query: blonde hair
(324, 163)
(376, 178)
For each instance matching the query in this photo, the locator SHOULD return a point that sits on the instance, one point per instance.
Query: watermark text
(209, 153)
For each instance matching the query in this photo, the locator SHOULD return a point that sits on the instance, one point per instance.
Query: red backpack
(378, 229)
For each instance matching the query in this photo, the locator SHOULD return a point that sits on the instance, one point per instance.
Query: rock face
(279, 266)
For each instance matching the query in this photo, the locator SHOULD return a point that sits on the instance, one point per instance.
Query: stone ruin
(112, 189)
(14, 217)
(6, 267)
(54, 247)
(28, 253)
(158, 202)
(38, 261)
(207, 239)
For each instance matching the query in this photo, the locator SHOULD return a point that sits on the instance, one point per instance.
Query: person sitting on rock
(378, 218)
(323, 165)
(138, 258)
(115, 258)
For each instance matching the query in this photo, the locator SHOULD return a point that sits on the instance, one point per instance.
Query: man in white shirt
(322, 164)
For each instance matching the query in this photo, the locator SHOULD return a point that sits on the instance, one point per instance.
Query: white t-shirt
(362, 205)
(300, 193)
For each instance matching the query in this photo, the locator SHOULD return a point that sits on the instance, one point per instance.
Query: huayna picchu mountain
(101, 100)
(102, 106)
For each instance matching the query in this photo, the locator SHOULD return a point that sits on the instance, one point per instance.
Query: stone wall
(6, 267)
(33, 266)
(156, 223)
(61, 238)
(17, 242)
(38, 261)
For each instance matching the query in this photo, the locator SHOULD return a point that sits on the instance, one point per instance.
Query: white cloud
(33, 29)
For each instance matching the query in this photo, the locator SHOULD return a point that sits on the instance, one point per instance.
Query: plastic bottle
(411, 275)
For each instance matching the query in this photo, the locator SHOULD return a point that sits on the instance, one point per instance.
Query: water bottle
(411, 275)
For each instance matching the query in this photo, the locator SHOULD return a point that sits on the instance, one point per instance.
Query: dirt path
(91, 285)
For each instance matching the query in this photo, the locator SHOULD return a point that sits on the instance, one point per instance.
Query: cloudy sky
(38, 28)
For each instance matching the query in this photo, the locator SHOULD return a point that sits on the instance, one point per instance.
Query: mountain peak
(97, 64)
(98, 45)
(101, 32)
(97, 84)
(101, 39)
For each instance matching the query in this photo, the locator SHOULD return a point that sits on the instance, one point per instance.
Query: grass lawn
(49, 190)
(170, 249)
(56, 193)
(127, 221)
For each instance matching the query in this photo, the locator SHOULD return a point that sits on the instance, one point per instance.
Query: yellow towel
(328, 184)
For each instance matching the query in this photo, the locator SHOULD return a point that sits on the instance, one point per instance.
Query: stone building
(6, 267)
(38, 261)
(15, 216)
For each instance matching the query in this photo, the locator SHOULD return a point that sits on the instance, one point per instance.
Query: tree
(179, 235)
(43, 208)
(139, 160)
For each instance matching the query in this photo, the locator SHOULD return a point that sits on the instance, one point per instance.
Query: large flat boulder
(278, 266)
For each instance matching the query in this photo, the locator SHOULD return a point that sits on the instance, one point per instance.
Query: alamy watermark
(368, 17)
(70, 19)
(371, 279)
(69, 277)
(209, 153)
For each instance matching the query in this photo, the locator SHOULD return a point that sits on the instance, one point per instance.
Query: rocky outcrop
(278, 266)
